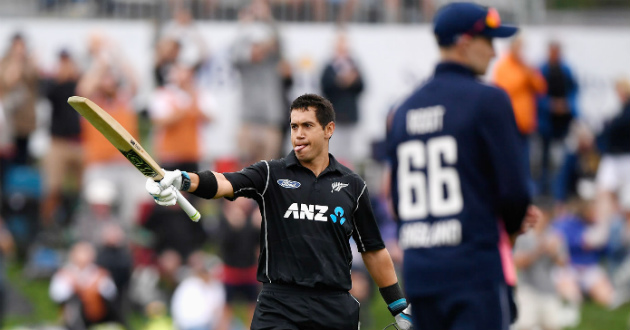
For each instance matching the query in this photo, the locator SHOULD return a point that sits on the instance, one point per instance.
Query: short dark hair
(324, 111)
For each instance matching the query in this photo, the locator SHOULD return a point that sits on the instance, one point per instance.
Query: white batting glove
(164, 192)
(403, 319)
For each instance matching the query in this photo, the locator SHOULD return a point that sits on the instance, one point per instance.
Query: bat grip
(192, 212)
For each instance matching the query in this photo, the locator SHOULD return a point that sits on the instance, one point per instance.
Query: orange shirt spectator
(522, 84)
(178, 111)
(177, 138)
(96, 148)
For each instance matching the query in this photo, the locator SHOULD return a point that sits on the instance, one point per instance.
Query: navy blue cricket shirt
(458, 168)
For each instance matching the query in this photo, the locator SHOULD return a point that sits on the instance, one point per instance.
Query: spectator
(522, 84)
(157, 317)
(6, 143)
(172, 230)
(166, 54)
(63, 160)
(177, 112)
(239, 246)
(97, 212)
(106, 85)
(153, 285)
(618, 250)
(342, 84)
(580, 162)
(618, 261)
(257, 56)
(198, 301)
(85, 290)
(113, 255)
(557, 108)
(326, 10)
(537, 254)
(393, 9)
(104, 53)
(614, 169)
(182, 29)
(585, 240)
(18, 93)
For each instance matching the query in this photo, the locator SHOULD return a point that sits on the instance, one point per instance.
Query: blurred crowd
(580, 180)
(340, 11)
(79, 216)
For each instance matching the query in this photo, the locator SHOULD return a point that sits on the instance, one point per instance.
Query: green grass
(46, 312)
(595, 317)
(36, 291)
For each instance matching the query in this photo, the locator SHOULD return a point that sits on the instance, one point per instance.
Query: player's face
(308, 137)
(480, 52)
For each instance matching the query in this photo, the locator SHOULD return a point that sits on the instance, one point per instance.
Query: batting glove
(403, 319)
(164, 192)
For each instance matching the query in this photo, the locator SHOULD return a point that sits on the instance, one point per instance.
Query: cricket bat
(127, 145)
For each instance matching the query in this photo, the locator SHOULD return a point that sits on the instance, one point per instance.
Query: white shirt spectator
(63, 283)
(197, 304)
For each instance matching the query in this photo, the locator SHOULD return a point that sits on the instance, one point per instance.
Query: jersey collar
(333, 164)
(452, 67)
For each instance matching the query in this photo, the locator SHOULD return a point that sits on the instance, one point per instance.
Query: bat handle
(192, 212)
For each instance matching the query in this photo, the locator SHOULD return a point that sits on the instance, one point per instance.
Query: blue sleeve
(506, 149)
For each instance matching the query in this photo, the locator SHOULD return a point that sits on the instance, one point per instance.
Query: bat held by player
(122, 140)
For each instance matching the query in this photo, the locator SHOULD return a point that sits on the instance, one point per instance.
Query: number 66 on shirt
(417, 158)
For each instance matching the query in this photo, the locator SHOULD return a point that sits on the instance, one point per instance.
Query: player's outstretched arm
(379, 264)
(206, 184)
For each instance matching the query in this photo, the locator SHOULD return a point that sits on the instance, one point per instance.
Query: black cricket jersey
(308, 221)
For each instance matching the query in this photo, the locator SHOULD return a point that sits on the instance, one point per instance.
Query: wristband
(394, 298)
(185, 181)
(208, 185)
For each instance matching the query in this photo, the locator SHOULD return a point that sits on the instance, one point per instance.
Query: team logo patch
(336, 186)
(289, 184)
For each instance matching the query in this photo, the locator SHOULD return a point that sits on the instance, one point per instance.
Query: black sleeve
(250, 181)
(506, 150)
(366, 233)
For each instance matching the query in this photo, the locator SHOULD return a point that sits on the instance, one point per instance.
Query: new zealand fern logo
(338, 215)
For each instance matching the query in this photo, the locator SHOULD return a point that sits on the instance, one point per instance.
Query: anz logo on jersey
(306, 212)
(314, 212)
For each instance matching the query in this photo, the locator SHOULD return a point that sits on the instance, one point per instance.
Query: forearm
(381, 268)
(379, 264)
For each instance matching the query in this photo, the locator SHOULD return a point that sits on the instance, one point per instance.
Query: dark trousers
(479, 307)
(281, 307)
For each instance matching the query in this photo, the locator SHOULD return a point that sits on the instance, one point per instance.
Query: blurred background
(206, 84)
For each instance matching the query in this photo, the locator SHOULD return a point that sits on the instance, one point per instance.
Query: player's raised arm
(248, 182)
(206, 184)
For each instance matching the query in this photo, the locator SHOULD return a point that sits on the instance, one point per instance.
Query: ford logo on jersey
(289, 184)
